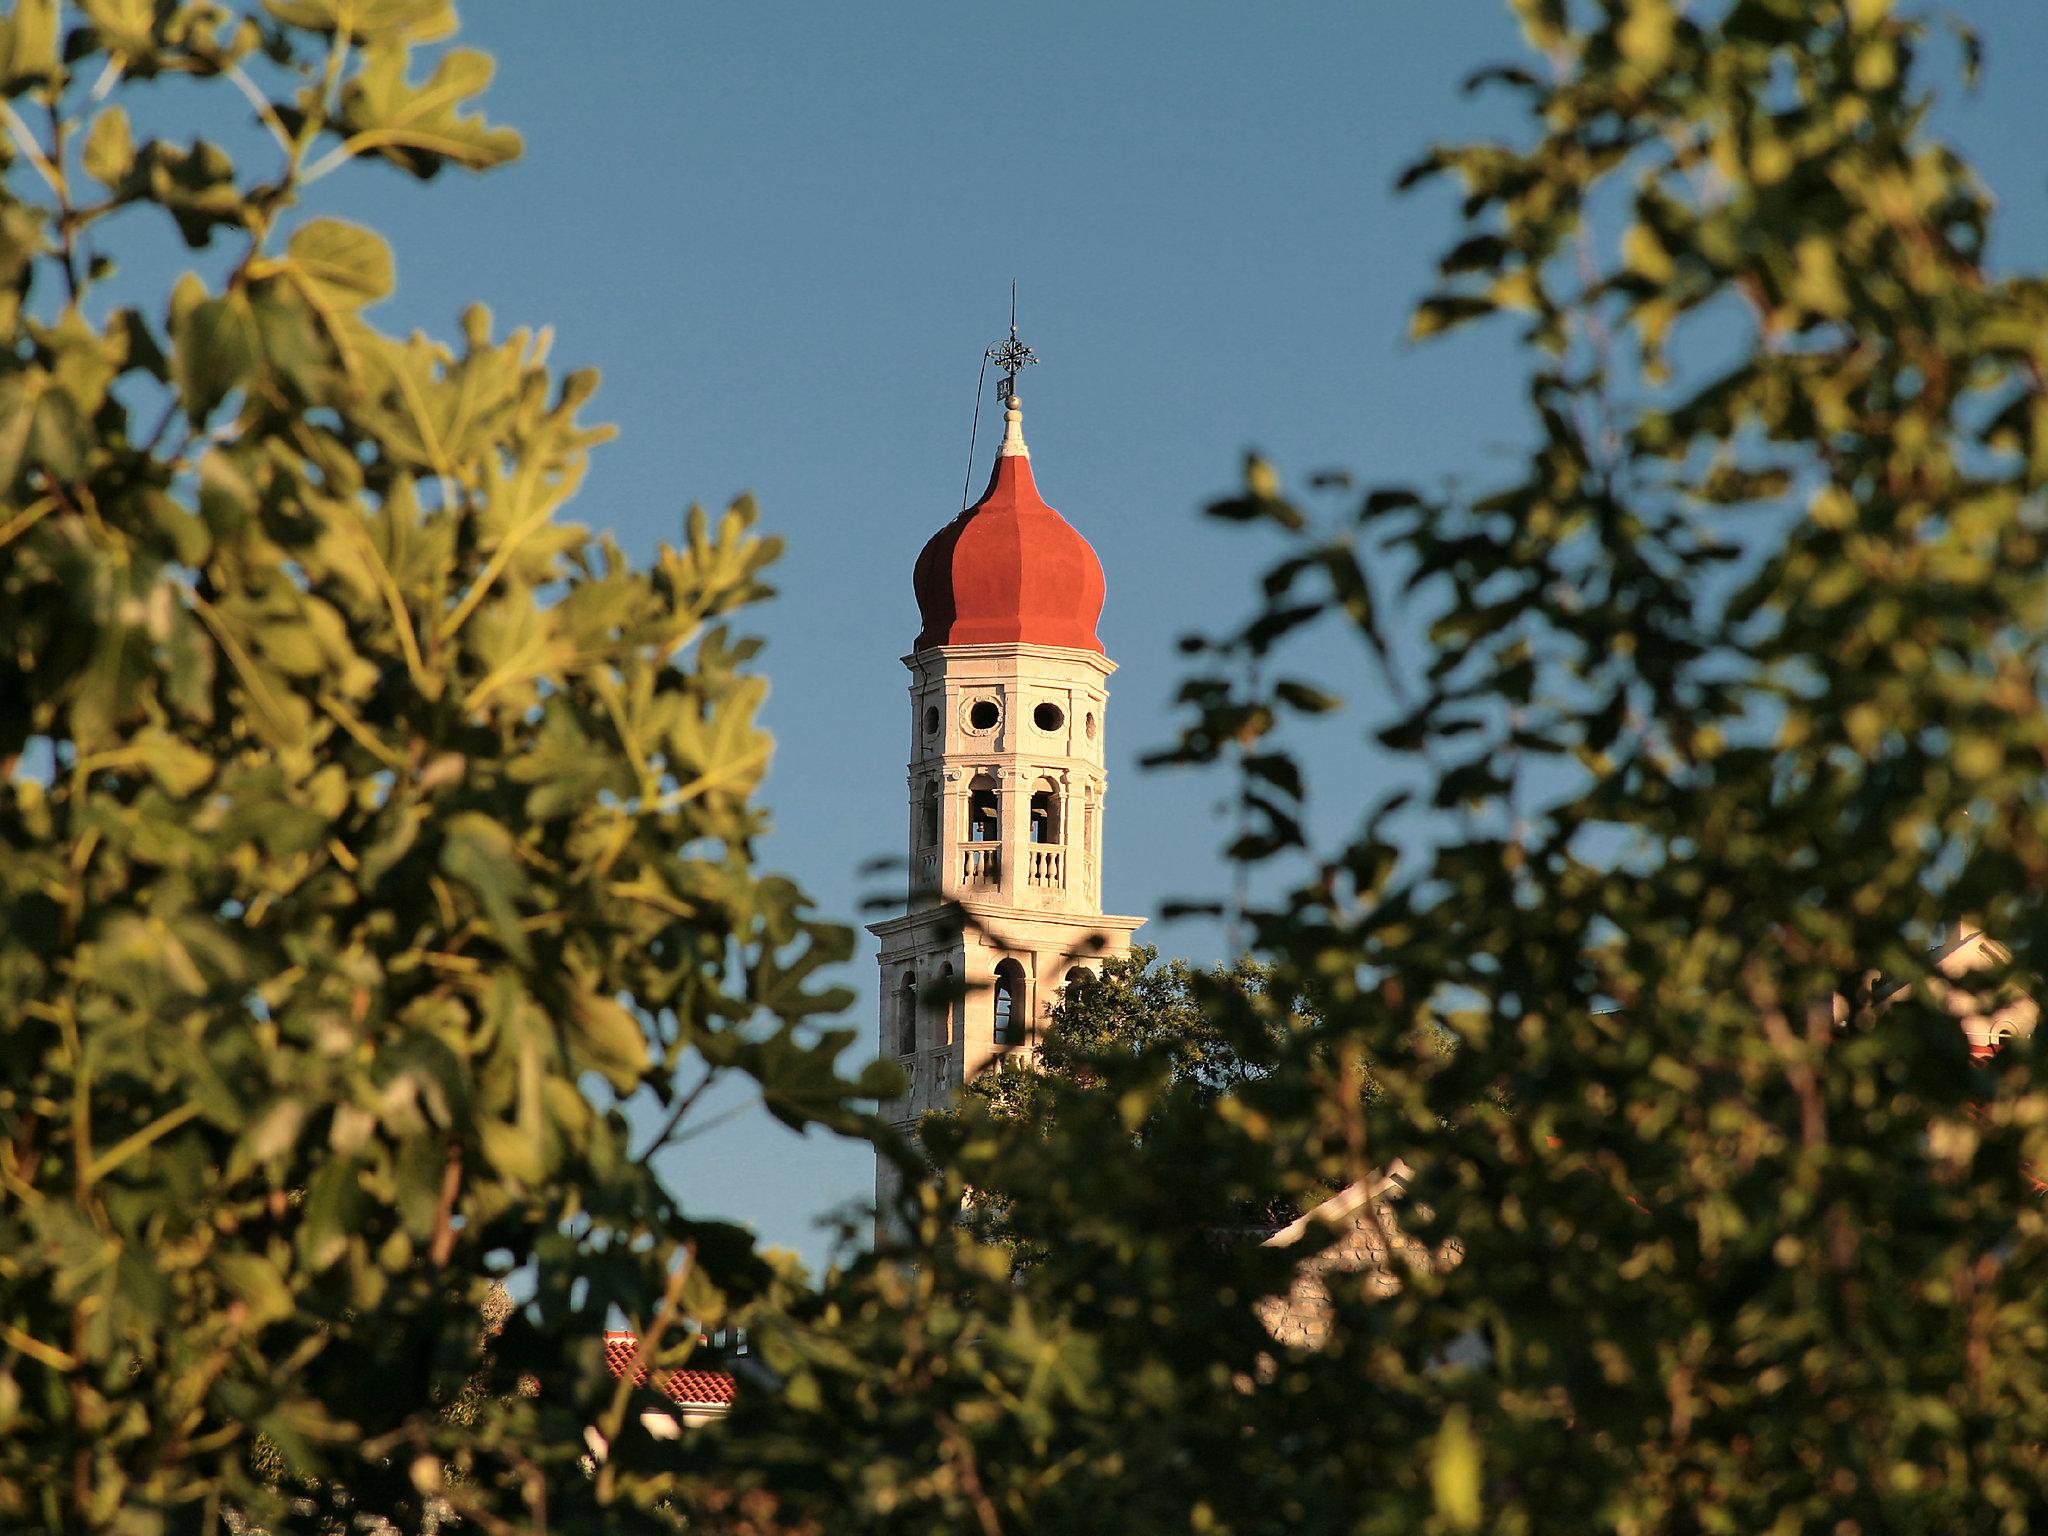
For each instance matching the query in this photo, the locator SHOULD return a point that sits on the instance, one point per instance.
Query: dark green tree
(1175, 1017)
(368, 833)
(1184, 1037)
(1728, 698)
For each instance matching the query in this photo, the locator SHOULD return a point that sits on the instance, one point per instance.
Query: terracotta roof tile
(1008, 570)
(706, 1389)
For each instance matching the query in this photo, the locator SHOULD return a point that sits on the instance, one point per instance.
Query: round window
(1048, 717)
(1088, 721)
(931, 718)
(983, 714)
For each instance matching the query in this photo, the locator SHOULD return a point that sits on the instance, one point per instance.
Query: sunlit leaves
(1646, 34)
(423, 127)
(124, 27)
(342, 265)
(367, 832)
(195, 186)
(386, 21)
(1713, 729)
(39, 425)
(1454, 1473)
(110, 148)
(478, 853)
(216, 348)
(28, 46)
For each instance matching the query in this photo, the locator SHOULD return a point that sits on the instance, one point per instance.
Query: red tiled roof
(690, 1388)
(1008, 569)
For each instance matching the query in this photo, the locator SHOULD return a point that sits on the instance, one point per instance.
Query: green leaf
(1646, 33)
(143, 353)
(177, 765)
(1454, 1472)
(257, 1284)
(109, 155)
(332, 1214)
(59, 440)
(195, 186)
(374, 21)
(125, 26)
(216, 347)
(1262, 498)
(800, 1080)
(1306, 697)
(609, 1039)
(21, 240)
(479, 853)
(1817, 278)
(512, 1153)
(1445, 312)
(21, 392)
(395, 833)
(343, 265)
(40, 427)
(28, 46)
(226, 498)
(288, 343)
(422, 128)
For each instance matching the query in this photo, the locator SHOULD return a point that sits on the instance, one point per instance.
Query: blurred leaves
(1705, 742)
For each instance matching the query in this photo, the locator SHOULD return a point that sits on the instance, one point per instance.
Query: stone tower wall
(1009, 722)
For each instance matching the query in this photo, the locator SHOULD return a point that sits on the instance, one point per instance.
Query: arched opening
(1078, 974)
(928, 816)
(984, 811)
(1045, 812)
(942, 1012)
(906, 1014)
(1009, 1004)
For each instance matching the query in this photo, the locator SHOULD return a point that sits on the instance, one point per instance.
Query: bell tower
(1008, 718)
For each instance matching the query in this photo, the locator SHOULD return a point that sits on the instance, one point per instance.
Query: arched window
(1078, 973)
(1045, 812)
(1009, 1004)
(942, 1010)
(984, 811)
(928, 816)
(906, 1014)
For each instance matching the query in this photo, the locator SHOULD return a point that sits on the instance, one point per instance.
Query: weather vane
(1011, 355)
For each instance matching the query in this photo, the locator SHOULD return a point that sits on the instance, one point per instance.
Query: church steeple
(1009, 569)
(1008, 706)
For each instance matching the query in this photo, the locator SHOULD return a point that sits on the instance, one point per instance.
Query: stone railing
(935, 1072)
(1048, 868)
(931, 1074)
(980, 865)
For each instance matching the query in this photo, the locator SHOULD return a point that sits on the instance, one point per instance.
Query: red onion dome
(1009, 569)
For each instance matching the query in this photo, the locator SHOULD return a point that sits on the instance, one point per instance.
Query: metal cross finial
(1011, 355)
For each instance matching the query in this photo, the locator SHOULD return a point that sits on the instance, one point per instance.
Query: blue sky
(785, 233)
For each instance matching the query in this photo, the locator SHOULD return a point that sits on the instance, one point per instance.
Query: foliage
(1185, 1036)
(1176, 1017)
(367, 834)
(1727, 700)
